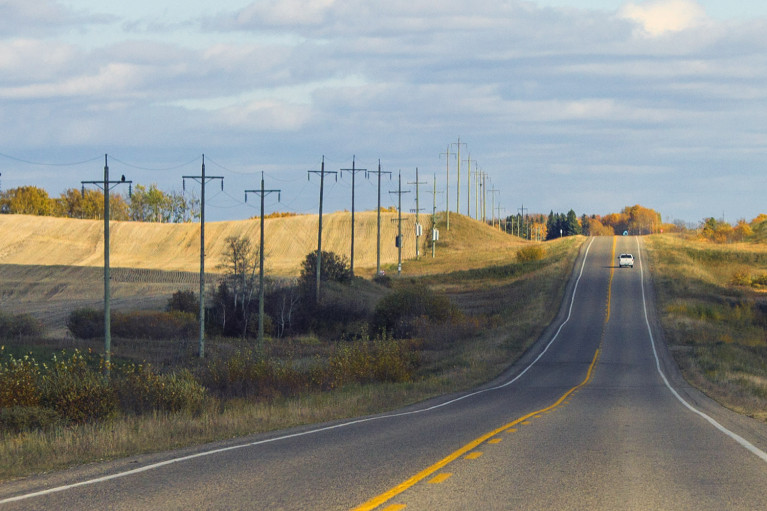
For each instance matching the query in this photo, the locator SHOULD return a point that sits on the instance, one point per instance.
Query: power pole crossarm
(417, 210)
(262, 193)
(399, 193)
(106, 185)
(353, 171)
(322, 173)
(378, 215)
(203, 180)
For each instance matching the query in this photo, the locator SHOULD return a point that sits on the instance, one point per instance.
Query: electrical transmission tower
(322, 173)
(353, 171)
(106, 185)
(203, 180)
(262, 193)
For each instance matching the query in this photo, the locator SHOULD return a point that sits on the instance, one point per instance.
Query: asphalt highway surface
(595, 417)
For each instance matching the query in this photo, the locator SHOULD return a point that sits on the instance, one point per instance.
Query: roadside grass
(506, 307)
(713, 310)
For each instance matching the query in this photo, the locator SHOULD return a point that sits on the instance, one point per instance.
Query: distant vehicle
(626, 260)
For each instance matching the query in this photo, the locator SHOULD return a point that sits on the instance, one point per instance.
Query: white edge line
(313, 431)
(742, 441)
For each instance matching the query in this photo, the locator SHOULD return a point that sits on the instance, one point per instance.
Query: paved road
(586, 420)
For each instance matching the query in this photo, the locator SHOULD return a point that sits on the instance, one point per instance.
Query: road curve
(595, 416)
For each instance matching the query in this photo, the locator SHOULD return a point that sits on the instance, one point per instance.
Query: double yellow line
(420, 476)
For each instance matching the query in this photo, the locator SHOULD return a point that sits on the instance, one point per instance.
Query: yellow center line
(439, 478)
(508, 428)
(412, 481)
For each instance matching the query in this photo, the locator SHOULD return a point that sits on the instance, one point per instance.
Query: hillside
(49, 266)
(48, 241)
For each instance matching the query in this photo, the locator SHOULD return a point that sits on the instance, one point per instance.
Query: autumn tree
(26, 200)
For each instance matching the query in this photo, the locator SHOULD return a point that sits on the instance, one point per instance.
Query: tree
(334, 268)
(233, 301)
(571, 225)
(26, 200)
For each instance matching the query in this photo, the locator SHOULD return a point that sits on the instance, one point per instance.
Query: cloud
(661, 16)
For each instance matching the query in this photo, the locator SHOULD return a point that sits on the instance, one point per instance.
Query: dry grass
(716, 329)
(510, 310)
(46, 241)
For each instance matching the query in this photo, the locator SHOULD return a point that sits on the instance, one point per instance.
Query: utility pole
(106, 185)
(522, 221)
(378, 215)
(262, 193)
(399, 193)
(447, 186)
(418, 228)
(493, 191)
(354, 171)
(484, 197)
(499, 219)
(477, 175)
(434, 231)
(458, 181)
(203, 180)
(319, 231)
(468, 185)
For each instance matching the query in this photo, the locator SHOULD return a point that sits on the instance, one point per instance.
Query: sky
(590, 105)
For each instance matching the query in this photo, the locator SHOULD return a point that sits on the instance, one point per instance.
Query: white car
(626, 260)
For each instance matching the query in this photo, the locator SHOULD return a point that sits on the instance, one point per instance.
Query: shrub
(24, 418)
(76, 390)
(19, 382)
(397, 312)
(333, 268)
(382, 359)
(154, 325)
(86, 323)
(141, 390)
(19, 325)
(247, 373)
(184, 301)
(89, 324)
(531, 253)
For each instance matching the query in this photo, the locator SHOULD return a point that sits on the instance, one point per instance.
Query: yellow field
(46, 241)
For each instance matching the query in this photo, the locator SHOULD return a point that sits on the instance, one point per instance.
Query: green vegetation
(714, 316)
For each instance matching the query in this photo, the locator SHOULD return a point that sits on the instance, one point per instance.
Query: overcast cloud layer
(655, 103)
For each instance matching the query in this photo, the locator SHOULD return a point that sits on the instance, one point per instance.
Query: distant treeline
(143, 205)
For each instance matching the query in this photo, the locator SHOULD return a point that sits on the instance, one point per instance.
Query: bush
(89, 324)
(19, 382)
(19, 325)
(154, 325)
(184, 301)
(333, 268)
(396, 313)
(531, 253)
(141, 390)
(86, 323)
(382, 359)
(24, 418)
(76, 390)
(247, 373)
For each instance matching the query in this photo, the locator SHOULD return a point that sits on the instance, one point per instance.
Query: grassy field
(713, 306)
(506, 304)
